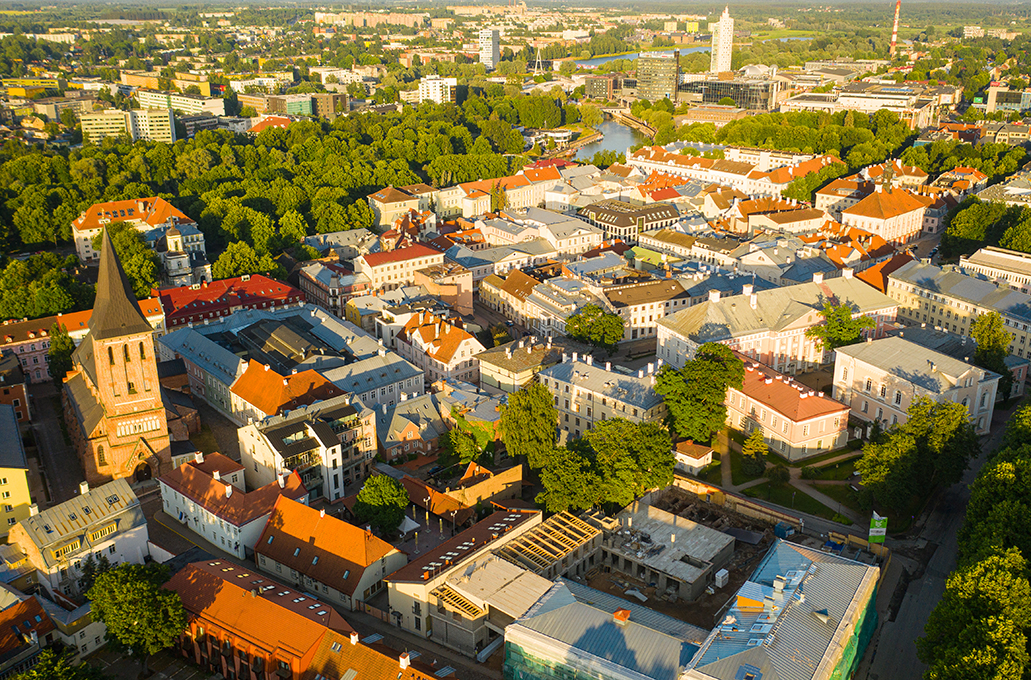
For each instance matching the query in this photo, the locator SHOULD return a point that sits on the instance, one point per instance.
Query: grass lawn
(712, 473)
(897, 522)
(205, 440)
(737, 473)
(839, 472)
(782, 495)
(813, 460)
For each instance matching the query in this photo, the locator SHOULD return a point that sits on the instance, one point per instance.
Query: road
(894, 647)
(60, 464)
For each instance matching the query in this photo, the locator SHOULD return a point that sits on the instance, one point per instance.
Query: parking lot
(165, 666)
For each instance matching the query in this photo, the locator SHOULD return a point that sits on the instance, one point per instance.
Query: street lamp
(793, 499)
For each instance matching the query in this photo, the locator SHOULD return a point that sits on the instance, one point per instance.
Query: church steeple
(115, 312)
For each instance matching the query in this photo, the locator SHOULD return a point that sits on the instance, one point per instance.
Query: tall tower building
(722, 43)
(490, 48)
(113, 398)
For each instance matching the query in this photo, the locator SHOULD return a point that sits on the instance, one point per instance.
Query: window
(805, 430)
(844, 374)
(111, 356)
(898, 397)
(111, 549)
(869, 384)
(884, 391)
(11, 521)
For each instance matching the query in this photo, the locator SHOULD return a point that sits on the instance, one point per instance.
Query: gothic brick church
(113, 403)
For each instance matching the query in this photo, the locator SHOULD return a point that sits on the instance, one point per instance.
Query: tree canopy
(141, 615)
(839, 327)
(528, 424)
(595, 326)
(55, 664)
(382, 503)
(695, 395)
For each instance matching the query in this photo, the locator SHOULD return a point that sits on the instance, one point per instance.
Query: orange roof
(764, 205)
(225, 501)
(474, 474)
(391, 195)
(152, 211)
(252, 606)
(437, 502)
(519, 285)
(19, 620)
(692, 450)
(74, 321)
(400, 255)
(336, 657)
(270, 392)
(899, 170)
(877, 275)
(884, 205)
(542, 174)
(485, 185)
(436, 333)
(319, 546)
(784, 395)
(212, 462)
(270, 122)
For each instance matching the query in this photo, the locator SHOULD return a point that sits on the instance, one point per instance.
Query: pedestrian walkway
(812, 492)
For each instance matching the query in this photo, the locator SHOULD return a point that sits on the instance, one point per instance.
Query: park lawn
(737, 473)
(781, 495)
(898, 522)
(712, 473)
(813, 460)
(840, 471)
(205, 440)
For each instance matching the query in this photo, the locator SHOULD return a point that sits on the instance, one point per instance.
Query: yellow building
(15, 499)
(24, 91)
(52, 83)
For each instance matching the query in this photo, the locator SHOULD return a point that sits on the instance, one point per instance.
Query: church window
(125, 352)
(111, 356)
(101, 460)
(132, 388)
(143, 354)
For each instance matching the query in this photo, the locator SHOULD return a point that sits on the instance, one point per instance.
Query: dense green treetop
(695, 395)
(382, 503)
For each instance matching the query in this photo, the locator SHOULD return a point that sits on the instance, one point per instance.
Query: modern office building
(722, 43)
(152, 125)
(187, 103)
(658, 76)
(752, 94)
(490, 48)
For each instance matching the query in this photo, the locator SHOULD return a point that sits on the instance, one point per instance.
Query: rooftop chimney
(714, 296)
(847, 273)
(217, 475)
(621, 616)
(354, 638)
(33, 510)
(747, 289)
(405, 660)
(83, 488)
(818, 277)
(198, 458)
(229, 490)
(322, 512)
(282, 480)
(753, 300)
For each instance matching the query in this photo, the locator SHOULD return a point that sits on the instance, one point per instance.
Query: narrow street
(60, 464)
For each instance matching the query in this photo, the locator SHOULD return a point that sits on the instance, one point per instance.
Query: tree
(1018, 428)
(293, 227)
(595, 326)
(993, 341)
(381, 503)
(590, 115)
(727, 101)
(498, 197)
(141, 264)
(753, 454)
(568, 480)
(141, 616)
(528, 424)
(695, 394)
(979, 627)
(61, 348)
(239, 259)
(839, 327)
(629, 458)
(53, 664)
(91, 568)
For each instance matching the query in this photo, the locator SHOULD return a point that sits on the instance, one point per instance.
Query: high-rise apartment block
(490, 48)
(658, 76)
(722, 43)
(438, 90)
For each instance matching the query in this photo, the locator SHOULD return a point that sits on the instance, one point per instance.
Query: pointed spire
(115, 312)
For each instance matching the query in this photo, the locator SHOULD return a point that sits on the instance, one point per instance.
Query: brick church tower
(116, 412)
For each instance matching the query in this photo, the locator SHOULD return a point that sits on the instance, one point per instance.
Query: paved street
(892, 653)
(61, 466)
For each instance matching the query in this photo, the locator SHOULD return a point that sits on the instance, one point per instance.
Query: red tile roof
(437, 502)
(400, 255)
(270, 122)
(444, 337)
(254, 607)
(216, 461)
(884, 205)
(227, 502)
(391, 195)
(152, 211)
(877, 275)
(19, 620)
(270, 392)
(209, 300)
(320, 546)
(79, 321)
(784, 395)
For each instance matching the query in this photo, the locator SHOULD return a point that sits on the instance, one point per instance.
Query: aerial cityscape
(515, 341)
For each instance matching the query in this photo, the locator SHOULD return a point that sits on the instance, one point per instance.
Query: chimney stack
(753, 300)
(714, 296)
(354, 638)
(282, 480)
(747, 289)
(83, 488)
(229, 490)
(818, 277)
(405, 660)
(847, 273)
(322, 512)
(217, 475)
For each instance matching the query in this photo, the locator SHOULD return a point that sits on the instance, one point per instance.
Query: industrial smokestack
(895, 30)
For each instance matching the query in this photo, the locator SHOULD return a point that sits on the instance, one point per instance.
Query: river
(618, 138)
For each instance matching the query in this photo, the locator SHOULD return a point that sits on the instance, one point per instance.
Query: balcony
(303, 460)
